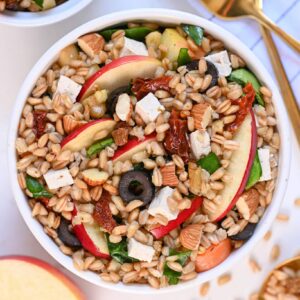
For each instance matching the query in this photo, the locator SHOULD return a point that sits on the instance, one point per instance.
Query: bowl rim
(164, 16)
(43, 18)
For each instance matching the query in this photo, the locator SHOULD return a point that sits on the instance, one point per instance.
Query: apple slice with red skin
(91, 238)
(28, 278)
(83, 136)
(119, 73)
(161, 231)
(133, 146)
(239, 168)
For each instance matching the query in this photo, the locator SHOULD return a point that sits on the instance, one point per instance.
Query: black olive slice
(136, 185)
(66, 236)
(112, 99)
(245, 234)
(211, 70)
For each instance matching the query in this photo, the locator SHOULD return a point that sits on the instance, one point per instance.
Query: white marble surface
(19, 50)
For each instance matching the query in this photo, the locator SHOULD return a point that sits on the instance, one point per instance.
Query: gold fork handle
(264, 20)
(286, 90)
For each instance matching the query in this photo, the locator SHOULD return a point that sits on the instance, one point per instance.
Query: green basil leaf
(210, 163)
(40, 3)
(98, 146)
(36, 188)
(194, 32)
(136, 33)
(255, 173)
(183, 57)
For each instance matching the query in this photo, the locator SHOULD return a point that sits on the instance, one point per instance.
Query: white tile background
(20, 48)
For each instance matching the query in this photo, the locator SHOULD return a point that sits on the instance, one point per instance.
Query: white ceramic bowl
(34, 19)
(164, 17)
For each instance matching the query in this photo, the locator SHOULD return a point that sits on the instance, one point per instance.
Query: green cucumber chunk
(36, 188)
(119, 251)
(243, 76)
(98, 146)
(183, 57)
(210, 163)
(173, 276)
(194, 32)
(255, 173)
(136, 33)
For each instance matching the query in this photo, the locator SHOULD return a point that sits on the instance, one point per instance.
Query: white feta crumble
(264, 158)
(221, 62)
(132, 47)
(58, 178)
(149, 108)
(140, 251)
(200, 143)
(159, 205)
(69, 87)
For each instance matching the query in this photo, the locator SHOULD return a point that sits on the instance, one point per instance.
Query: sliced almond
(169, 175)
(201, 113)
(124, 107)
(70, 123)
(67, 55)
(248, 203)
(94, 177)
(91, 44)
(190, 236)
(195, 178)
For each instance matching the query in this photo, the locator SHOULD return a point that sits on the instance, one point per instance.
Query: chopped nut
(124, 107)
(120, 136)
(70, 123)
(91, 44)
(195, 178)
(201, 113)
(190, 236)
(248, 203)
(168, 175)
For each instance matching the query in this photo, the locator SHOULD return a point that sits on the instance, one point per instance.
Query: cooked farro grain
(204, 289)
(275, 252)
(223, 279)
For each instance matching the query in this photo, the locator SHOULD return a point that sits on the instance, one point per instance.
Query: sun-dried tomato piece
(44, 200)
(102, 214)
(245, 104)
(39, 123)
(141, 87)
(176, 141)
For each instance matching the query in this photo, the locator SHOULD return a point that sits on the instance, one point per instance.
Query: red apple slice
(94, 177)
(28, 278)
(119, 73)
(133, 146)
(239, 168)
(91, 238)
(83, 136)
(161, 231)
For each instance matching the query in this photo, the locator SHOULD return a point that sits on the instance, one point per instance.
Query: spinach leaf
(36, 188)
(135, 33)
(195, 32)
(173, 276)
(98, 146)
(119, 251)
(139, 166)
(183, 57)
(40, 3)
(210, 163)
(255, 173)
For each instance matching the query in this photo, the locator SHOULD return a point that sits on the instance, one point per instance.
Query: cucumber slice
(136, 33)
(210, 163)
(255, 173)
(243, 76)
(195, 32)
(183, 57)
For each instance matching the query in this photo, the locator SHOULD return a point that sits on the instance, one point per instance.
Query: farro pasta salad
(148, 153)
(29, 5)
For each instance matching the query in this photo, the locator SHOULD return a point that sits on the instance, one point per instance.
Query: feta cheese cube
(69, 87)
(149, 108)
(140, 251)
(160, 204)
(221, 62)
(133, 47)
(58, 178)
(200, 143)
(264, 158)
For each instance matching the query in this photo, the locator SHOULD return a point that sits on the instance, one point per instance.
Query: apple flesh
(119, 73)
(91, 238)
(83, 136)
(161, 231)
(28, 278)
(133, 146)
(239, 168)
